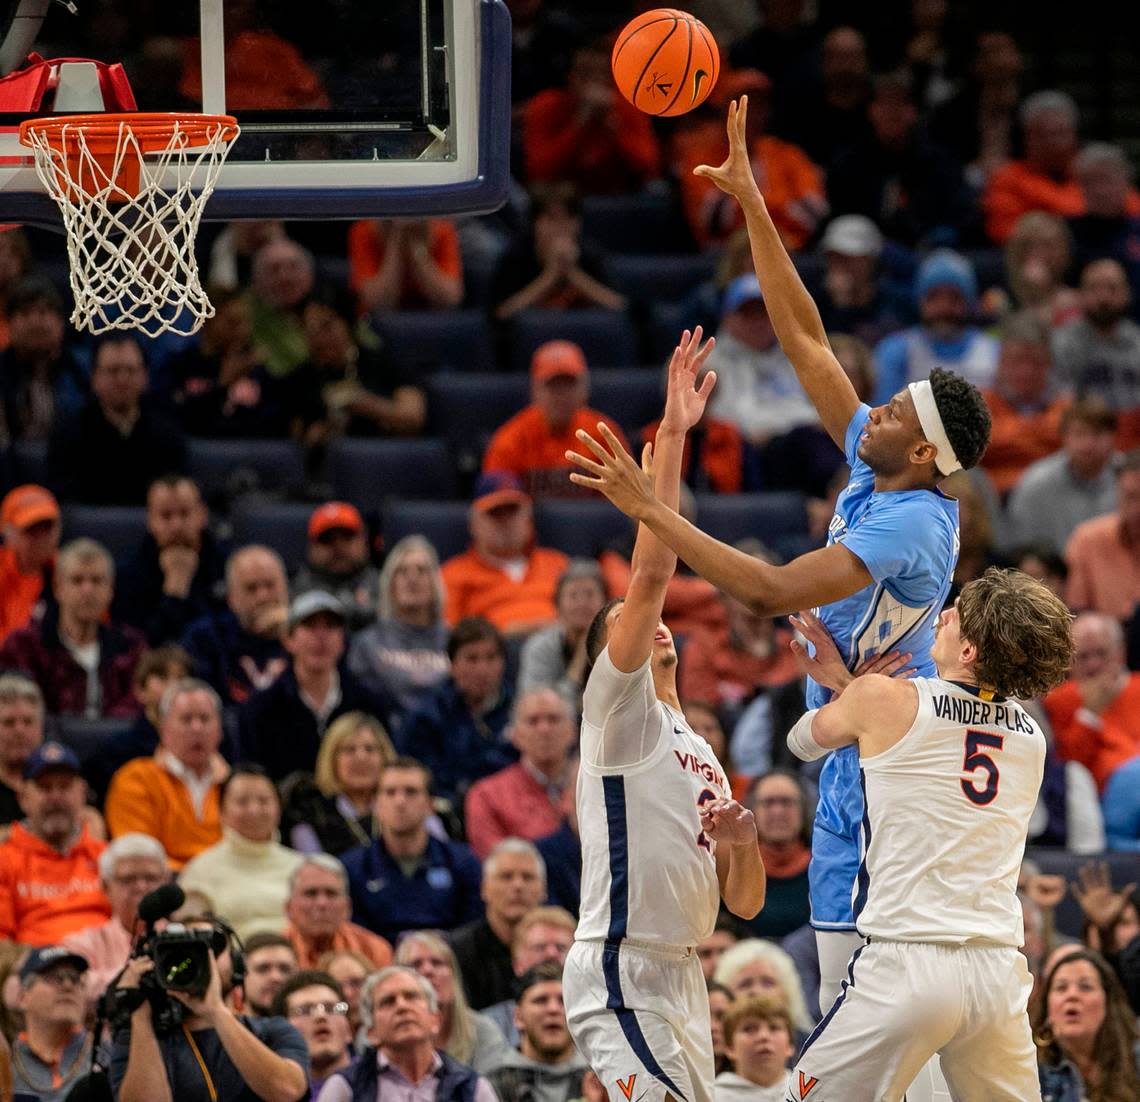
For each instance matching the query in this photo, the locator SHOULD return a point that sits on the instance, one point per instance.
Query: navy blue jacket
(441, 894)
(235, 662)
(457, 1082)
(562, 852)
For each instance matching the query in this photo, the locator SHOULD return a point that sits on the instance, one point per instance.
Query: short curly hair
(965, 415)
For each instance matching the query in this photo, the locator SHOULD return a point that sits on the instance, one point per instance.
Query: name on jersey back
(981, 713)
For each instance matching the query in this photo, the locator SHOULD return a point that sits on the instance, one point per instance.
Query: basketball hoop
(131, 189)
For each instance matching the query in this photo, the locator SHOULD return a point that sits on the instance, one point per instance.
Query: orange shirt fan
(665, 62)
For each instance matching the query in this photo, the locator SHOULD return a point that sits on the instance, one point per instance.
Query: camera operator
(216, 1056)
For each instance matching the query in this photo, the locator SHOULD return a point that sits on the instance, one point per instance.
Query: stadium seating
(660, 278)
(29, 459)
(631, 396)
(607, 337)
(119, 528)
(778, 520)
(367, 471)
(580, 528)
(443, 523)
(281, 526)
(220, 466)
(467, 409)
(667, 321)
(86, 737)
(644, 223)
(423, 341)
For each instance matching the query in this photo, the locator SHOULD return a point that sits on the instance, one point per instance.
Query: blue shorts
(835, 843)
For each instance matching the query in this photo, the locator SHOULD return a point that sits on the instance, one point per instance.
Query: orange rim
(152, 130)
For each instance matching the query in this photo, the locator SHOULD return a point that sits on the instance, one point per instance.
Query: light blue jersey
(908, 541)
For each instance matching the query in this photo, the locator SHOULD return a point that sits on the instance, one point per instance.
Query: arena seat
(442, 523)
(667, 321)
(631, 396)
(366, 471)
(579, 528)
(29, 458)
(660, 278)
(467, 409)
(280, 525)
(778, 520)
(220, 465)
(425, 341)
(119, 528)
(642, 223)
(86, 737)
(607, 337)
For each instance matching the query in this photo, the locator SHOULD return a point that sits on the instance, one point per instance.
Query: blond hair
(759, 1007)
(461, 1041)
(342, 728)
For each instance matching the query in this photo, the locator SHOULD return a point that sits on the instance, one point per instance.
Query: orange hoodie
(46, 895)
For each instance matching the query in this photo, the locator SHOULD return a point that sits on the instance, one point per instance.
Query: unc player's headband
(931, 421)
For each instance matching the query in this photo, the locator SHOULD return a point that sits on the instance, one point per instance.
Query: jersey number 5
(981, 789)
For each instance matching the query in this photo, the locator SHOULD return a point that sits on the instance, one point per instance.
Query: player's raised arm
(653, 563)
(794, 315)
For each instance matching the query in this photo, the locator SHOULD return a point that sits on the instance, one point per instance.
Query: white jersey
(947, 813)
(648, 872)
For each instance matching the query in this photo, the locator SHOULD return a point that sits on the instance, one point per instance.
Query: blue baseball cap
(48, 756)
(946, 268)
(497, 488)
(741, 290)
(41, 960)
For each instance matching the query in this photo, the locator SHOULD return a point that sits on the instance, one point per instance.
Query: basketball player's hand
(735, 175)
(827, 668)
(1093, 891)
(686, 397)
(614, 473)
(728, 822)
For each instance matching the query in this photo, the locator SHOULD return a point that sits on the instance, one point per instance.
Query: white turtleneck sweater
(244, 882)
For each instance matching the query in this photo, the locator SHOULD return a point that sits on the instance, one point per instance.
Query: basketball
(665, 62)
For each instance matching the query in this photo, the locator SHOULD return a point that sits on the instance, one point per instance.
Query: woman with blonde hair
(330, 811)
(757, 967)
(470, 1038)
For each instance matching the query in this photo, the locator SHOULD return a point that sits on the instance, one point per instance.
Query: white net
(131, 248)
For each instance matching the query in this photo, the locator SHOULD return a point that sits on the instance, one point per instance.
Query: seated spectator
(312, 691)
(222, 389)
(1122, 807)
(1106, 229)
(946, 291)
(117, 444)
(49, 875)
(463, 1034)
(783, 814)
(174, 576)
(314, 1005)
(29, 519)
(283, 278)
(1063, 490)
(543, 936)
(130, 867)
(551, 267)
(1087, 1031)
(238, 650)
(1047, 567)
(757, 967)
(245, 876)
(725, 935)
(42, 383)
(791, 184)
(231, 254)
(514, 882)
(720, 999)
(1038, 256)
(330, 810)
(1043, 179)
(724, 666)
(406, 879)
(532, 445)
(347, 387)
(337, 561)
(1096, 713)
(546, 1064)
(897, 176)
(524, 800)
(173, 796)
(555, 657)
(713, 458)
(705, 722)
(269, 964)
(83, 663)
(350, 970)
(758, 1040)
(856, 298)
(156, 671)
(587, 132)
(404, 652)
(21, 732)
(405, 264)
(460, 731)
(53, 1051)
(1097, 354)
(1103, 554)
(1025, 403)
(561, 851)
(318, 910)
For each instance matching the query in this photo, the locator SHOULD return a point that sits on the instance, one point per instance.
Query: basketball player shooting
(951, 766)
(885, 573)
(662, 840)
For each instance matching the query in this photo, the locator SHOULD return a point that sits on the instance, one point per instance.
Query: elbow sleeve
(801, 742)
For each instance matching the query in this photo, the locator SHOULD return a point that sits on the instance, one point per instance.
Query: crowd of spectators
(360, 750)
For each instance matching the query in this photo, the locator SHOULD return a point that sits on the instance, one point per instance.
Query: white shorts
(903, 1002)
(639, 1015)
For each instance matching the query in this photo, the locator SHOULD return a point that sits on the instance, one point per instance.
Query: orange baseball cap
(28, 505)
(557, 358)
(335, 515)
(497, 488)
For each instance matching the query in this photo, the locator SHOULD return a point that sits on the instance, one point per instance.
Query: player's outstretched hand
(728, 822)
(735, 175)
(685, 399)
(828, 669)
(614, 473)
(1093, 891)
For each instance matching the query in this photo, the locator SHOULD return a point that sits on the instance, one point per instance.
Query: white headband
(931, 421)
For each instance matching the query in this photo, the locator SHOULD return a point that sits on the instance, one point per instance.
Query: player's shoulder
(877, 690)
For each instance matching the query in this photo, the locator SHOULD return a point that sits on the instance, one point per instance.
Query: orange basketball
(665, 62)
